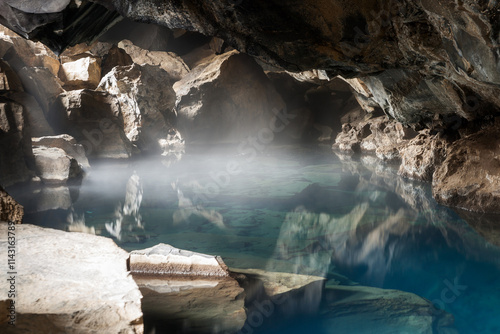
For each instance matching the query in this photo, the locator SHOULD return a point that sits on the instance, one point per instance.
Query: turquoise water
(290, 209)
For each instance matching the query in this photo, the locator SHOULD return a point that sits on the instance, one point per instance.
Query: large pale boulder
(168, 61)
(146, 99)
(469, 176)
(54, 166)
(83, 72)
(70, 283)
(10, 210)
(94, 119)
(16, 159)
(68, 144)
(228, 100)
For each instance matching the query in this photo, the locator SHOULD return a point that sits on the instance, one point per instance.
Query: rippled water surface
(294, 210)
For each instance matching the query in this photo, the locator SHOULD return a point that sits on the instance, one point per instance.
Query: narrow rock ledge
(164, 259)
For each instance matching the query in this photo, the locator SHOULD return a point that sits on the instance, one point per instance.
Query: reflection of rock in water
(127, 217)
(77, 223)
(187, 208)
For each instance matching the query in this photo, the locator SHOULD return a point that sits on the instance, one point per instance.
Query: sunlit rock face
(10, 210)
(146, 109)
(54, 166)
(227, 100)
(87, 291)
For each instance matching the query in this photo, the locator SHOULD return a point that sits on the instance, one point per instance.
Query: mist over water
(291, 209)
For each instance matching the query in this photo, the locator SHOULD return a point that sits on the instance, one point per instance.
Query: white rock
(66, 143)
(81, 73)
(70, 283)
(167, 260)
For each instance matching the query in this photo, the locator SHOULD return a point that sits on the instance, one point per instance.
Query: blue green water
(290, 209)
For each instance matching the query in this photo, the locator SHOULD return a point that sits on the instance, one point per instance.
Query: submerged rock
(10, 210)
(360, 309)
(164, 259)
(469, 177)
(70, 283)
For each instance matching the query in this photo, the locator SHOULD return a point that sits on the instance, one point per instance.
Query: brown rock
(83, 72)
(42, 84)
(421, 155)
(146, 100)
(228, 100)
(469, 177)
(9, 80)
(115, 57)
(16, 158)
(94, 119)
(36, 117)
(168, 61)
(10, 210)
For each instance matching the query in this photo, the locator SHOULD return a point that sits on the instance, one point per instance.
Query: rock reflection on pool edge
(352, 222)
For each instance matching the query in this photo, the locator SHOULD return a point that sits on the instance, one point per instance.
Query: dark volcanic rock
(10, 210)
(16, 158)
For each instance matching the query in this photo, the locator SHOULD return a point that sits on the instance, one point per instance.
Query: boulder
(68, 144)
(54, 166)
(146, 99)
(16, 158)
(10, 210)
(83, 72)
(20, 52)
(421, 155)
(42, 84)
(469, 176)
(70, 283)
(164, 259)
(228, 100)
(94, 119)
(168, 61)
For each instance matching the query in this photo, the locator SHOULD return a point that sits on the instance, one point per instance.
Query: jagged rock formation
(87, 292)
(227, 100)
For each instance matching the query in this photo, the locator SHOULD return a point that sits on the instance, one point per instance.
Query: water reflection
(127, 217)
(302, 212)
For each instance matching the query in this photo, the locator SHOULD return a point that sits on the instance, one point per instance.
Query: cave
(249, 166)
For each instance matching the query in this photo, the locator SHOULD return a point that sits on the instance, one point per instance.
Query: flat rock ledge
(69, 283)
(164, 259)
